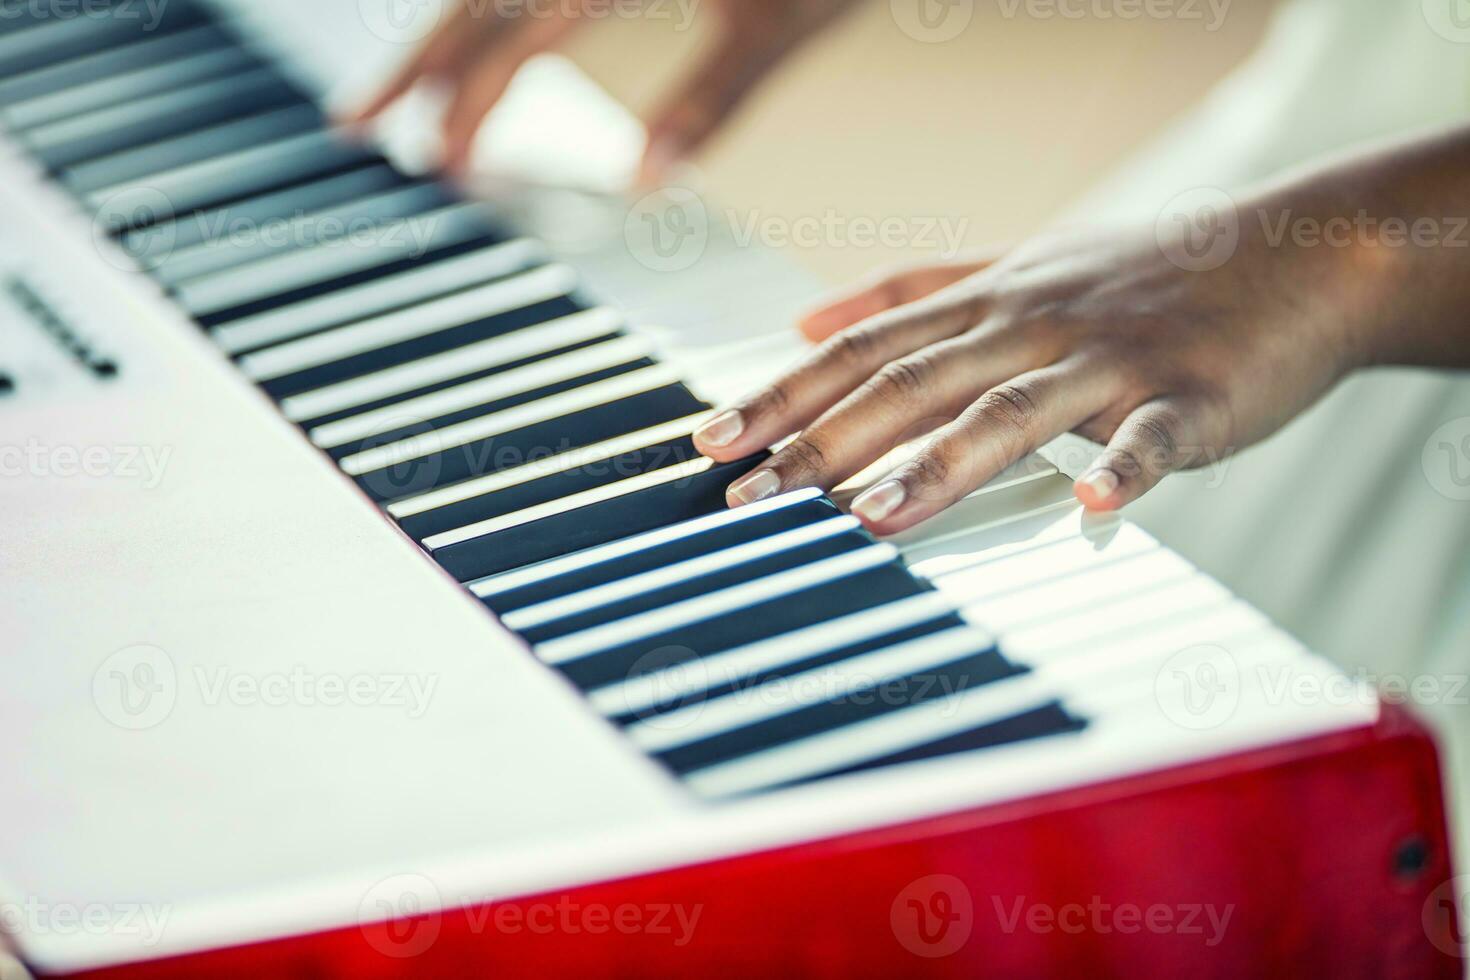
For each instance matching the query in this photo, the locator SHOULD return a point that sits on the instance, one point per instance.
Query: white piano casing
(214, 545)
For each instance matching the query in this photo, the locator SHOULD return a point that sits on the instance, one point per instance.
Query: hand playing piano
(1104, 335)
(479, 49)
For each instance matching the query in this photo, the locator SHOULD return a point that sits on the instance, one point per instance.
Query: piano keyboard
(539, 451)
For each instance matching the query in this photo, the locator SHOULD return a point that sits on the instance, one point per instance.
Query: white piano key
(546, 283)
(1192, 596)
(522, 577)
(379, 296)
(1048, 563)
(685, 680)
(588, 642)
(516, 346)
(1052, 600)
(271, 164)
(976, 514)
(543, 410)
(116, 89)
(372, 213)
(1070, 664)
(482, 391)
(550, 466)
(480, 529)
(662, 578)
(393, 241)
(784, 695)
(1016, 537)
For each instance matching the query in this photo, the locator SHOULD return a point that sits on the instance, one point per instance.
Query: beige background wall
(1000, 127)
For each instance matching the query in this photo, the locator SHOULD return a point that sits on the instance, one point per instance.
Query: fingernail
(1101, 483)
(721, 430)
(757, 486)
(880, 502)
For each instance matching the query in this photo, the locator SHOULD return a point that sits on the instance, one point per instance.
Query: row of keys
(534, 447)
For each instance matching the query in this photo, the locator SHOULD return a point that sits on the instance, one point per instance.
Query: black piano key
(290, 297)
(63, 38)
(418, 427)
(165, 155)
(556, 486)
(314, 194)
(671, 553)
(982, 667)
(851, 594)
(402, 396)
(870, 645)
(530, 443)
(588, 527)
(701, 585)
(412, 350)
(166, 116)
(1051, 719)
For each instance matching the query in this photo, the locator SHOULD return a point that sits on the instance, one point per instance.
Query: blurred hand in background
(478, 50)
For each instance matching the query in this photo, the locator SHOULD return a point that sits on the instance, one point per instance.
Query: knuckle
(901, 382)
(851, 348)
(932, 469)
(1011, 410)
(775, 400)
(803, 458)
(1160, 429)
